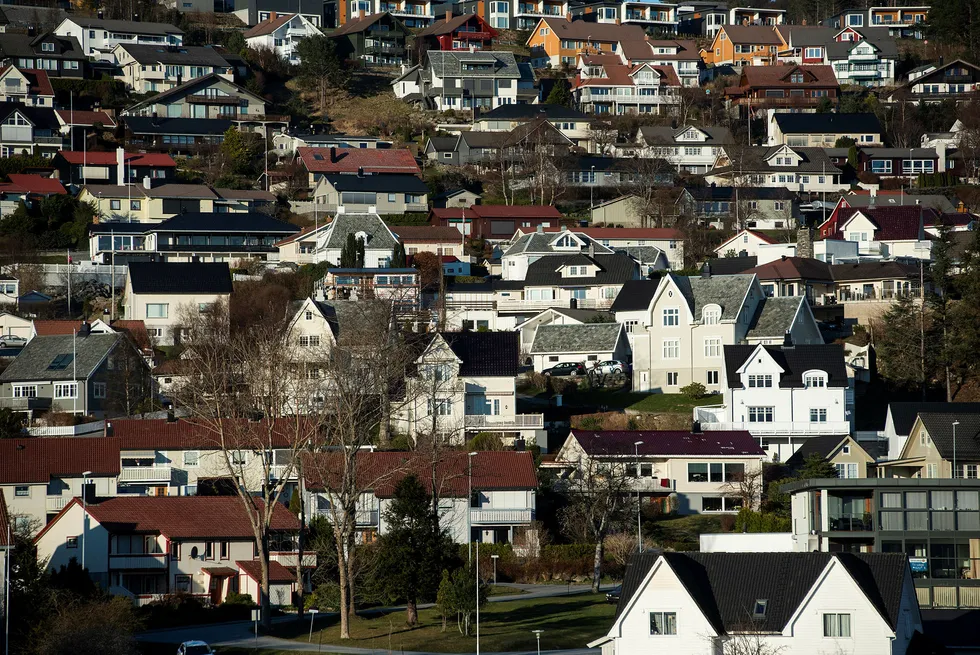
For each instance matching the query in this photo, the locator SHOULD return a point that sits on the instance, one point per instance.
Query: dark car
(612, 596)
(565, 368)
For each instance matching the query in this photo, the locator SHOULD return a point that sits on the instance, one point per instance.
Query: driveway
(242, 633)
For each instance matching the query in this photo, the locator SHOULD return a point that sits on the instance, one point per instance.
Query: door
(215, 590)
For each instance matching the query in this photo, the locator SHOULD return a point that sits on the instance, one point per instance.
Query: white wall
(746, 542)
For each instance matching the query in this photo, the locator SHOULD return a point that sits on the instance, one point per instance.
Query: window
(672, 348)
(630, 326)
(814, 381)
(697, 472)
(671, 316)
(760, 414)
(760, 381)
(849, 471)
(663, 623)
(309, 341)
(25, 391)
(880, 166)
(712, 347)
(71, 542)
(22, 492)
(813, 53)
(99, 390)
(192, 458)
(932, 470)
(967, 471)
(157, 310)
(47, 47)
(711, 377)
(115, 205)
(66, 390)
(441, 407)
(711, 315)
(209, 550)
(818, 415)
(239, 457)
(672, 378)
(223, 548)
(836, 625)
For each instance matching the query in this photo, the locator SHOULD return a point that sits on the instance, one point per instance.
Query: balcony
(367, 517)
(384, 49)
(213, 100)
(54, 504)
(485, 516)
(288, 559)
(848, 522)
(472, 36)
(491, 422)
(25, 404)
(48, 140)
(145, 474)
(282, 471)
(509, 304)
(138, 561)
(654, 485)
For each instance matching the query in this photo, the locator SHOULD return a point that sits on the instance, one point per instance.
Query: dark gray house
(58, 56)
(378, 39)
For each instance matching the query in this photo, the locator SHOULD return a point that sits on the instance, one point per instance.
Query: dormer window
(566, 242)
(816, 380)
(711, 315)
(47, 47)
(796, 78)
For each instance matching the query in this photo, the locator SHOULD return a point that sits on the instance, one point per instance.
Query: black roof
(822, 445)
(183, 277)
(904, 414)
(380, 183)
(795, 361)
(119, 227)
(528, 112)
(228, 222)
(730, 265)
(828, 123)
(42, 117)
(180, 126)
(726, 586)
(635, 295)
(612, 269)
(955, 629)
(25, 45)
(492, 354)
(940, 429)
(708, 193)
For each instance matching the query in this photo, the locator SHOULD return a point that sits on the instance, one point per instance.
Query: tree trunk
(345, 587)
(300, 595)
(264, 600)
(412, 613)
(597, 566)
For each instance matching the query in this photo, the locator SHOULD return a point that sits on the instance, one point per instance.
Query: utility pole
(922, 327)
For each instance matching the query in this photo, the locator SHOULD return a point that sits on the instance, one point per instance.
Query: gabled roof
(127, 26)
(873, 271)
(824, 446)
(752, 34)
(730, 265)
(779, 76)
(84, 118)
(795, 361)
(379, 183)
(157, 160)
(356, 25)
(726, 291)
(485, 354)
(379, 234)
(527, 112)
(427, 234)
(34, 184)
(180, 126)
(542, 243)
(37, 79)
(613, 233)
(656, 134)
(179, 278)
(901, 223)
(185, 89)
(277, 572)
(51, 327)
(764, 238)
(253, 222)
(669, 443)
(829, 123)
(268, 26)
(56, 357)
(188, 434)
(612, 269)
(878, 37)
(176, 55)
(35, 460)
(794, 268)
(577, 338)
(349, 160)
(774, 316)
(904, 414)
(643, 50)
(443, 26)
(940, 429)
(584, 30)
(24, 45)
(449, 63)
(636, 295)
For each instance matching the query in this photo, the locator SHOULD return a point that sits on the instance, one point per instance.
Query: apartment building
(98, 37)
(413, 13)
(374, 39)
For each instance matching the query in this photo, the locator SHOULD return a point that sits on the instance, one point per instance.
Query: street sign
(257, 614)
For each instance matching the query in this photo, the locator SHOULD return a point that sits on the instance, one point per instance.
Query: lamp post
(639, 530)
(478, 598)
(85, 475)
(494, 558)
(469, 505)
(537, 633)
(312, 615)
(955, 423)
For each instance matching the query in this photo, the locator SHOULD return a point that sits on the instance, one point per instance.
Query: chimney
(120, 166)
(146, 182)
(136, 17)
(360, 13)
(333, 154)
(449, 16)
(88, 492)
(360, 171)
(31, 30)
(804, 242)
(101, 15)
(84, 329)
(573, 303)
(696, 427)
(108, 429)
(171, 417)
(706, 270)
(788, 340)
(618, 22)
(540, 228)
(273, 15)
(591, 248)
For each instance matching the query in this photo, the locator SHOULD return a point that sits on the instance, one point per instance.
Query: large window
(760, 381)
(358, 198)
(672, 317)
(847, 470)
(760, 414)
(720, 504)
(66, 390)
(157, 310)
(814, 380)
(818, 415)
(836, 625)
(712, 347)
(672, 348)
(663, 623)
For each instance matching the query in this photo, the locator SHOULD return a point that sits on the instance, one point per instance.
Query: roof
(84, 118)
(582, 30)
(379, 236)
(940, 429)
(901, 223)
(24, 45)
(181, 126)
(731, 265)
(380, 183)
(726, 291)
(47, 328)
(769, 76)
(268, 26)
(277, 572)
(109, 158)
(349, 160)
(177, 55)
(448, 63)
(253, 222)
(499, 211)
(427, 233)
(577, 338)
(136, 329)
(726, 585)
(774, 316)
(904, 414)
(135, 27)
(798, 36)
(38, 80)
(443, 26)
(612, 269)
(528, 112)
(753, 34)
(485, 354)
(876, 36)
(541, 243)
(245, 194)
(671, 443)
(201, 191)
(654, 134)
(185, 517)
(872, 271)
(183, 277)
(611, 233)
(5, 526)
(824, 446)
(795, 361)
(643, 50)
(35, 184)
(35, 460)
(636, 295)
(203, 81)
(793, 268)
(360, 24)
(60, 357)
(828, 123)
(812, 160)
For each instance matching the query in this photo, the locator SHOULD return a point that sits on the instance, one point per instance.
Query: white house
(626, 239)
(587, 343)
(797, 169)
(554, 316)
(783, 395)
(457, 80)
(145, 68)
(98, 36)
(528, 248)
(282, 33)
(744, 244)
(378, 239)
(787, 603)
(691, 149)
(146, 547)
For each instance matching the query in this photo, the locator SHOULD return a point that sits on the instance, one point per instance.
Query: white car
(194, 648)
(610, 367)
(10, 341)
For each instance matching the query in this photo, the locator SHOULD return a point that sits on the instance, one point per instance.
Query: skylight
(759, 611)
(61, 362)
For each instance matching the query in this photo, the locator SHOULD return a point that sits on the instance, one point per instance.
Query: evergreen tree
(964, 315)
(348, 254)
(561, 93)
(398, 257)
(359, 251)
(898, 342)
(414, 550)
(938, 300)
(814, 467)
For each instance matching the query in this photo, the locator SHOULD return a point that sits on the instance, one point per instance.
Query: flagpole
(68, 275)
(74, 373)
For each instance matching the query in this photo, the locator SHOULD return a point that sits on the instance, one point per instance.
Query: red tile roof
(349, 160)
(136, 331)
(38, 79)
(109, 158)
(277, 572)
(899, 223)
(624, 232)
(185, 517)
(140, 434)
(35, 184)
(668, 442)
(47, 328)
(779, 76)
(382, 471)
(34, 460)
(269, 25)
(85, 118)
(4, 523)
(427, 233)
(498, 211)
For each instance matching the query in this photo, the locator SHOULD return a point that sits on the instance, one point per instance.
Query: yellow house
(740, 45)
(846, 454)
(930, 452)
(559, 41)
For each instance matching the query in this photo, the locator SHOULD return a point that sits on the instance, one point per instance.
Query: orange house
(556, 40)
(896, 16)
(740, 45)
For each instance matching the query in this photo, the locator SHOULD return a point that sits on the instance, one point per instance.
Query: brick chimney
(449, 16)
(273, 15)
(360, 13)
(804, 242)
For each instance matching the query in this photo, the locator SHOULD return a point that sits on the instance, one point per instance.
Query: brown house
(458, 33)
(788, 85)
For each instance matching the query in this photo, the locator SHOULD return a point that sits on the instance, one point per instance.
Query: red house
(458, 33)
(497, 222)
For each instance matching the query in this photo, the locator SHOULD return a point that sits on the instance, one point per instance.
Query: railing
(654, 485)
(288, 559)
(213, 100)
(138, 561)
(792, 101)
(473, 305)
(585, 303)
(383, 49)
(25, 404)
(478, 36)
(520, 421)
(48, 140)
(144, 474)
(56, 503)
(851, 523)
(500, 515)
(885, 296)
(366, 517)
(277, 471)
(783, 427)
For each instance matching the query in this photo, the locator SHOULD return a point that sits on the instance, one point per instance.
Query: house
(522, 15)
(335, 161)
(163, 295)
(82, 167)
(627, 239)
(88, 121)
(906, 163)
(867, 56)
(657, 16)
(281, 33)
(459, 197)
(690, 148)
(892, 515)
(496, 222)
(684, 472)
(301, 247)
(791, 602)
(132, 202)
(688, 320)
(486, 497)
(901, 20)
(572, 123)
(146, 68)
(375, 39)
(796, 169)
(205, 96)
(379, 240)
(29, 130)
(190, 236)
(744, 244)
(252, 12)
(463, 32)
(27, 86)
(400, 286)
(13, 325)
(618, 89)
(790, 277)
(824, 130)
(557, 40)
(98, 36)
(384, 193)
(875, 282)
(443, 241)
(701, 18)
(933, 450)
(783, 394)
(848, 457)
(757, 208)
(784, 85)
(58, 56)
(901, 418)
(555, 316)
(743, 45)
(885, 232)
(84, 373)
(146, 548)
(413, 13)
(40, 475)
(953, 81)
(467, 80)
(529, 248)
(287, 141)
(178, 136)
(589, 343)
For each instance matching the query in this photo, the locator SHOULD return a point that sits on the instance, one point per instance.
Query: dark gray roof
(877, 36)
(23, 45)
(540, 243)
(381, 183)
(253, 222)
(35, 361)
(380, 236)
(794, 361)
(904, 414)
(577, 338)
(190, 85)
(730, 265)
(800, 36)
(937, 202)
(442, 143)
(940, 429)
(182, 277)
(664, 134)
(349, 318)
(636, 295)
(583, 315)
(613, 269)
(872, 271)
(726, 291)
(529, 112)
(449, 63)
(726, 585)
(178, 56)
(486, 354)
(136, 27)
(482, 139)
(774, 317)
(828, 123)
(812, 160)
(824, 446)
(179, 126)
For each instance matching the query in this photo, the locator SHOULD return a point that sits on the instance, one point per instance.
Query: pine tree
(398, 257)
(938, 300)
(359, 252)
(561, 93)
(348, 254)
(898, 343)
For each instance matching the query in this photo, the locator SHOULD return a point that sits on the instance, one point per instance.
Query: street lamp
(494, 558)
(85, 475)
(537, 633)
(639, 532)
(469, 504)
(955, 423)
(478, 598)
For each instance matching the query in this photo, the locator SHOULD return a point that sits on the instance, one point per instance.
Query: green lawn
(504, 590)
(567, 621)
(669, 402)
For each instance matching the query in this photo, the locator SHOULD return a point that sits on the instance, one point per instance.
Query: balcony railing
(851, 522)
(366, 517)
(530, 305)
(25, 404)
(145, 474)
(288, 559)
(784, 427)
(277, 471)
(137, 561)
(518, 422)
(213, 100)
(654, 485)
(56, 503)
(500, 516)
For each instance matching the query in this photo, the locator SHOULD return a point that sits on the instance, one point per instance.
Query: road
(241, 633)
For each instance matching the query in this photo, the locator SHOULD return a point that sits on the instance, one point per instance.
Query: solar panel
(61, 362)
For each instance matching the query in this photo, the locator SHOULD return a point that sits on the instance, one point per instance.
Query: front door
(216, 585)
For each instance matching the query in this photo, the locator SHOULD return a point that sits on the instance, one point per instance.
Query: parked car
(10, 341)
(194, 648)
(612, 596)
(566, 368)
(610, 367)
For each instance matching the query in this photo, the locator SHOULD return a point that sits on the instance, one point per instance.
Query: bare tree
(653, 199)
(746, 486)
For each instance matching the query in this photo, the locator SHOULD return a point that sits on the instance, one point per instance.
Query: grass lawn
(668, 402)
(504, 590)
(567, 621)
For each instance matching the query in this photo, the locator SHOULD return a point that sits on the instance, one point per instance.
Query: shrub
(235, 598)
(694, 390)
(750, 521)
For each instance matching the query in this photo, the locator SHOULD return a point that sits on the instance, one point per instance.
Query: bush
(750, 521)
(695, 390)
(235, 598)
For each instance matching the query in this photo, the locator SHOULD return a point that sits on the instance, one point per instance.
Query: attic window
(61, 362)
(318, 157)
(796, 78)
(759, 611)
(47, 47)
